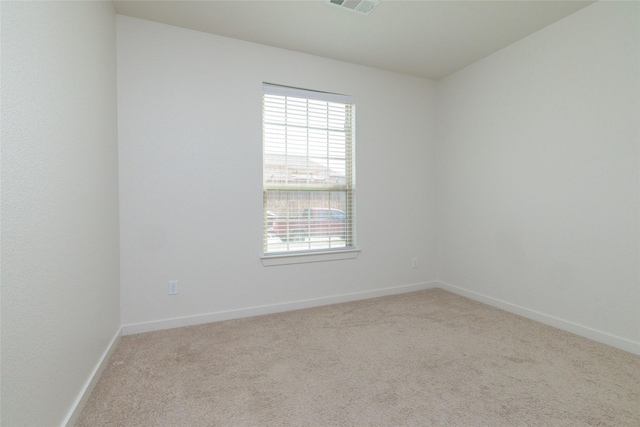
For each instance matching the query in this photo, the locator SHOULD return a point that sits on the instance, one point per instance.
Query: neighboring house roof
(281, 168)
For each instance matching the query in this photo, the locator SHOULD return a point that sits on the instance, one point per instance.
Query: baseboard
(574, 328)
(83, 397)
(137, 328)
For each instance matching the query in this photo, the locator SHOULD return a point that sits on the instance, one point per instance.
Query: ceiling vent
(360, 6)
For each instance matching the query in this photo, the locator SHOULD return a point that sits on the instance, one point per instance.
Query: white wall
(538, 175)
(190, 139)
(60, 294)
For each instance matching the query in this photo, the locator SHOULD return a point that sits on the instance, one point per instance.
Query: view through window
(308, 170)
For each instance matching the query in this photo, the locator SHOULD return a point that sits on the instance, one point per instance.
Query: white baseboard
(83, 397)
(137, 328)
(565, 325)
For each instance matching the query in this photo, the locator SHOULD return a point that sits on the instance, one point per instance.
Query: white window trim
(306, 93)
(307, 257)
(320, 255)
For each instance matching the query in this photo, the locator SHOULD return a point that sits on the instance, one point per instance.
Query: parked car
(312, 222)
(270, 218)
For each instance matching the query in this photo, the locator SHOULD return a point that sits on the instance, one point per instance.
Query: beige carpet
(428, 358)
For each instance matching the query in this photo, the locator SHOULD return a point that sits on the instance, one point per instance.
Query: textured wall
(190, 140)
(60, 294)
(538, 167)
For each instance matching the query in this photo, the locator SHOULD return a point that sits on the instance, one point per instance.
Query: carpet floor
(427, 358)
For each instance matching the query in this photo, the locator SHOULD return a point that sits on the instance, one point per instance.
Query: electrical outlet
(414, 262)
(173, 287)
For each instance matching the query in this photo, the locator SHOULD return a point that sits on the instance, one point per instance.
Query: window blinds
(308, 170)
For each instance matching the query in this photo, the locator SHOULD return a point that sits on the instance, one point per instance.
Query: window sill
(300, 258)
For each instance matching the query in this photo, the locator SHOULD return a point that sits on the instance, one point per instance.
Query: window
(308, 171)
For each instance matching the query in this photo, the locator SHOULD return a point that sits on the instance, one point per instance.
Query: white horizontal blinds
(307, 170)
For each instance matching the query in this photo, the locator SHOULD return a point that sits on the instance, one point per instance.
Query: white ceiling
(430, 39)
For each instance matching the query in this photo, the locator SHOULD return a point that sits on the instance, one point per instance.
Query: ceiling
(427, 38)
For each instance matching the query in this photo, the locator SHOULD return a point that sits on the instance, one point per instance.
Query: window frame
(289, 256)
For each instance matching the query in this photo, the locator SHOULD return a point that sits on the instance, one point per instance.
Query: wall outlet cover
(173, 287)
